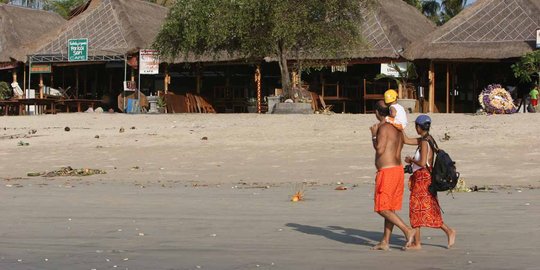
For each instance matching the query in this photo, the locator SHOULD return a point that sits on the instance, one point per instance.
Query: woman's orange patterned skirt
(424, 210)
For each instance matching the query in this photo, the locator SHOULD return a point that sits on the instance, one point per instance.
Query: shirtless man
(389, 184)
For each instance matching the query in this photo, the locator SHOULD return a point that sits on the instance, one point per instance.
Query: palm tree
(451, 8)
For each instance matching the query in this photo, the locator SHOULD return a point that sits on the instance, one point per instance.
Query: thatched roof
(388, 27)
(20, 26)
(488, 29)
(113, 27)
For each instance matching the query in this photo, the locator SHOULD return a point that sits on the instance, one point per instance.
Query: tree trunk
(285, 76)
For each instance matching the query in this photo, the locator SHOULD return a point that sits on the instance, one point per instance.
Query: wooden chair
(371, 96)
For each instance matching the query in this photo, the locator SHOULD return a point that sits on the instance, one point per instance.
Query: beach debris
(19, 260)
(21, 143)
(122, 130)
(133, 128)
(46, 259)
(446, 137)
(341, 188)
(96, 137)
(135, 168)
(31, 132)
(198, 267)
(339, 183)
(204, 139)
(67, 171)
(141, 234)
(461, 186)
(527, 204)
(67, 129)
(213, 235)
(298, 190)
(99, 147)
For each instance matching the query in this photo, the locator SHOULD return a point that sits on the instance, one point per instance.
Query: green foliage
(5, 91)
(439, 11)
(161, 103)
(528, 66)
(63, 7)
(283, 30)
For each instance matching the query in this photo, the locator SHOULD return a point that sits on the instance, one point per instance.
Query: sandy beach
(212, 192)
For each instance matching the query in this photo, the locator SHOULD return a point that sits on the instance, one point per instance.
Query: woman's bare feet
(451, 238)
(414, 246)
(410, 237)
(381, 246)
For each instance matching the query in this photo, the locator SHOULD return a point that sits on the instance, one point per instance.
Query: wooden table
(38, 103)
(78, 103)
(8, 105)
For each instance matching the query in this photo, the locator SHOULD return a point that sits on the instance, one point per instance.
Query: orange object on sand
(389, 185)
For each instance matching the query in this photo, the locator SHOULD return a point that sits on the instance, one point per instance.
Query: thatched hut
(19, 28)
(115, 30)
(474, 49)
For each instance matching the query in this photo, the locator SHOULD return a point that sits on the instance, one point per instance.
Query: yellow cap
(390, 96)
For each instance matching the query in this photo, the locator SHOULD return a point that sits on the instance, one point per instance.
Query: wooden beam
(258, 83)
(431, 107)
(40, 85)
(14, 75)
(447, 88)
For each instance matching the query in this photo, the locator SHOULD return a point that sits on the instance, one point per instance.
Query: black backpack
(444, 176)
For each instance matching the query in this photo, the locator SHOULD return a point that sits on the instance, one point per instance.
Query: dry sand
(170, 200)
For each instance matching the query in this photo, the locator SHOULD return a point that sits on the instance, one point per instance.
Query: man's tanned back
(389, 155)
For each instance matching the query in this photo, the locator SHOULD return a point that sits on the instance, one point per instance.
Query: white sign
(538, 38)
(387, 68)
(149, 62)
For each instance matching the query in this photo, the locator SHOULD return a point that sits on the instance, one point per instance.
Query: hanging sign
(41, 68)
(388, 68)
(130, 86)
(149, 62)
(538, 38)
(78, 49)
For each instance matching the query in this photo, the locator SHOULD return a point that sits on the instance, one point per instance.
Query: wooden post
(258, 83)
(431, 87)
(24, 82)
(447, 88)
(454, 82)
(40, 85)
(52, 77)
(77, 82)
(166, 80)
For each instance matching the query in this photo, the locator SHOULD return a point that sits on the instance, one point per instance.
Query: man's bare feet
(381, 246)
(451, 238)
(410, 237)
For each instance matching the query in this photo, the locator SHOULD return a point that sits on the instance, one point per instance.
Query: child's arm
(393, 112)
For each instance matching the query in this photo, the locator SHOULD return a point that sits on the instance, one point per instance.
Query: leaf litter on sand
(68, 171)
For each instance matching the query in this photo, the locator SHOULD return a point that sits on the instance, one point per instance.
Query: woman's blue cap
(422, 119)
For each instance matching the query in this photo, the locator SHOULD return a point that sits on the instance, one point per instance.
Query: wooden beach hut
(21, 28)
(474, 49)
(114, 31)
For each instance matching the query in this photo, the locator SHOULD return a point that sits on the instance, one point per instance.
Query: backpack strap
(432, 143)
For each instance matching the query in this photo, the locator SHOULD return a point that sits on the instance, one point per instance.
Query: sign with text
(149, 62)
(78, 49)
(388, 68)
(538, 38)
(41, 68)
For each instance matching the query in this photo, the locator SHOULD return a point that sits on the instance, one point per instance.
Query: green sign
(78, 49)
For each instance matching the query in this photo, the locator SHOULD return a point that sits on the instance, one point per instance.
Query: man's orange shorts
(389, 185)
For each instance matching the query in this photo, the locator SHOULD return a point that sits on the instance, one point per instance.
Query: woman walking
(424, 209)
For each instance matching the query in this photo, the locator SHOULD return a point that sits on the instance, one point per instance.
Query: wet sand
(171, 200)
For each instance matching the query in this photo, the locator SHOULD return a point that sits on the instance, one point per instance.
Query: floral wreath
(496, 100)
